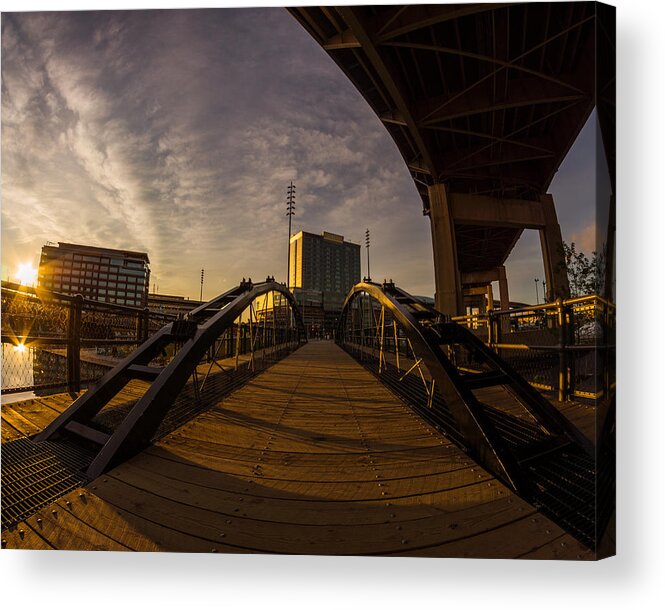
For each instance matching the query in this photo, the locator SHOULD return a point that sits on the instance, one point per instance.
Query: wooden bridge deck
(312, 456)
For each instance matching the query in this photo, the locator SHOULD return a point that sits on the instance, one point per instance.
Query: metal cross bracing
(468, 392)
(233, 324)
(487, 98)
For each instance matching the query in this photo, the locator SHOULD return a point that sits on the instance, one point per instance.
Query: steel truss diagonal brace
(429, 335)
(195, 335)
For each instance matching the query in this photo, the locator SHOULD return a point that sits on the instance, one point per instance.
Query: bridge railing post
(144, 325)
(564, 371)
(74, 344)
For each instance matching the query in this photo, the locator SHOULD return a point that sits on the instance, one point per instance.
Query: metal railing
(52, 340)
(566, 347)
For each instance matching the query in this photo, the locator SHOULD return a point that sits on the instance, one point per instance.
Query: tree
(585, 275)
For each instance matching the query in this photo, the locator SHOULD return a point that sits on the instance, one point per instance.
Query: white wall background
(632, 580)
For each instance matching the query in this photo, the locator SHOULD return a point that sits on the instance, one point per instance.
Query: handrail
(195, 336)
(540, 307)
(428, 334)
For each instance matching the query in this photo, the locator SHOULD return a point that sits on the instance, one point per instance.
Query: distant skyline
(176, 132)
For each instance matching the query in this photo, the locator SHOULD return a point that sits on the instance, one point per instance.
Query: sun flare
(26, 274)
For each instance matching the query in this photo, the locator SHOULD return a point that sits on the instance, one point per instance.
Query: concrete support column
(504, 299)
(608, 280)
(448, 297)
(554, 260)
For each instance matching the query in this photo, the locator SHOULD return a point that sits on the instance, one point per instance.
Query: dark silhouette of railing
(44, 333)
(566, 347)
(471, 394)
(194, 340)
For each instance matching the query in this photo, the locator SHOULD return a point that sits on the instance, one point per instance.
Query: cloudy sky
(177, 133)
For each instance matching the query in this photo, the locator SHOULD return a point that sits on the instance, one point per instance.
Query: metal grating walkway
(36, 474)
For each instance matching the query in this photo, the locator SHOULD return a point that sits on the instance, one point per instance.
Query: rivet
(68, 503)
(228, 520)
(222, 535)
(548, 532)
(563, 544)
(54, 512)
(404, 541)
(398, 528)
(213, 551)
(39, 520)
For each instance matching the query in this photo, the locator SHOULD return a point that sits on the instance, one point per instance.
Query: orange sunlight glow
(26, 274)
(19, 348)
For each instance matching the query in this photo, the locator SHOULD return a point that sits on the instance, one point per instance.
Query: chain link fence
(52, 340)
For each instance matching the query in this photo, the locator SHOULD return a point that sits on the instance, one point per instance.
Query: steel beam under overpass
(456, 269)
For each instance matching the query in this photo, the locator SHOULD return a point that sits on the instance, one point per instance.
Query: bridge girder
(480, 99)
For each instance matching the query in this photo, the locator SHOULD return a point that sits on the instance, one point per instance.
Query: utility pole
(369, 275)
(290, 211)
(201, 295)
(544, 293)
(536, 280)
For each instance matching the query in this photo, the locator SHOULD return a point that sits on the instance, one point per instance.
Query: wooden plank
(312, 456)
(9, 432)
(18, 421)
(24, 537)
(107, 520)
(63, 530)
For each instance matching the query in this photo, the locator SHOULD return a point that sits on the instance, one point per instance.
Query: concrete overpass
(483, 101)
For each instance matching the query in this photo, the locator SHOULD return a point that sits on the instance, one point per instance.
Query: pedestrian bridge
(311, 456)
(407, 436)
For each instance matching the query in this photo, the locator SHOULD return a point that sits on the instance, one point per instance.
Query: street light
(536, 280)
(290, 211)
(201, 295)
(369, 275)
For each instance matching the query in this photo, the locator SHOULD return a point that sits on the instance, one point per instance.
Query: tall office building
(102, 274)
(322, 270)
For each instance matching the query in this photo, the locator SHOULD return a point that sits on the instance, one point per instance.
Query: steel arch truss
(451, 378)
(190, 339)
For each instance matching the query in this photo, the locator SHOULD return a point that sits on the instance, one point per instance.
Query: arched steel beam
(430, 333)
(197, 333)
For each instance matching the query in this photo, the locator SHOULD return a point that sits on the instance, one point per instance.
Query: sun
(26, 274)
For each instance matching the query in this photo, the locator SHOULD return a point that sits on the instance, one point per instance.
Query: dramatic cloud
(176, 132)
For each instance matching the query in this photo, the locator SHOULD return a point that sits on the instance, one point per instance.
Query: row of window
(76, 269)
(102, 288)
(94, 275)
